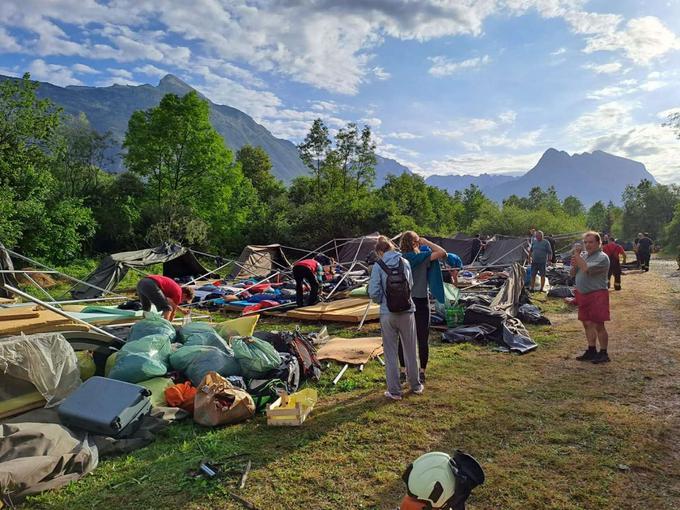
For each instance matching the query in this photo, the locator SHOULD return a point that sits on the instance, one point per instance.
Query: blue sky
(459, 86)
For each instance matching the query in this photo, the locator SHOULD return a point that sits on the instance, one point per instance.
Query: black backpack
(397, 287)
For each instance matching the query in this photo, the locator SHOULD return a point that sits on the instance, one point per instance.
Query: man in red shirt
(164, 293)
(614, 250)
(310, 271)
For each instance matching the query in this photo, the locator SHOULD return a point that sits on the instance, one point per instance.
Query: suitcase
(106, 407)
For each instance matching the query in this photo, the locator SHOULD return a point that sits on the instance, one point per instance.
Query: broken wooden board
(342, 310)
(46, 321)
(355, 351)
(18, 313)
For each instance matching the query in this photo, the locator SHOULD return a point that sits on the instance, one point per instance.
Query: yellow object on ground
(292, 410)
(342, 310)
(86, 364)
(243, 326)
(157, 385)
(110, 361)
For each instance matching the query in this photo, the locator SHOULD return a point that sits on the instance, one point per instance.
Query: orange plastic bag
(218, 402)
(182, 396)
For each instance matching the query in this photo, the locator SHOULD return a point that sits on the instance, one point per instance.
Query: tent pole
(35, 262)
(49, 296)
(356, 255)
(207, 274)
(363, 319)
(58, 311)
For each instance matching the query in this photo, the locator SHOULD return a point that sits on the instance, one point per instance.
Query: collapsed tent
(505, 251)
(461, 247)
(178, 262)
(260, 261)
(359, 249)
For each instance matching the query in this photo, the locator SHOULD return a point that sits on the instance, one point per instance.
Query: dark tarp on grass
(6, 278)
(177, 262)
(260, 261)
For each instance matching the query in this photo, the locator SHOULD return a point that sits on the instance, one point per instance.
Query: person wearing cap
(455, 263)
(164, 293)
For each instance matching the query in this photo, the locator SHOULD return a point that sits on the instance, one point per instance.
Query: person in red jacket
(614, 250)
(310, 271)
(164, 293)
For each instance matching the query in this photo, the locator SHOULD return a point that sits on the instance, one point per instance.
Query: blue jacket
(376, 286)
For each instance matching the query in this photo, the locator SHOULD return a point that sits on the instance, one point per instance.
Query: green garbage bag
(86, 364)
(153, 325)
(255, 357)
(211, 359)
(157, 385)
(142, 359)
(202, 333)
(225, 364)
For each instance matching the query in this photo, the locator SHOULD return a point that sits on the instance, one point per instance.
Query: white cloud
(373, 122)
(54, 73)
(380, 73)
(442, 66)
(151, 70)
(479, 163)
(84, 69)
(643, 40)
(558, 52)
(403, 135)
(7, 43)
(611, 67)
(507, 117)
(626, 87)
(612, 127)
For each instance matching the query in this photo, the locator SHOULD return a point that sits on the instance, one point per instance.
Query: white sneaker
(419, 390)
(392, 397)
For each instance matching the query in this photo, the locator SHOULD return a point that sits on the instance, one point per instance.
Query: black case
(106, 407)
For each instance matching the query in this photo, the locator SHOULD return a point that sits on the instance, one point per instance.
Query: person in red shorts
(591, 270)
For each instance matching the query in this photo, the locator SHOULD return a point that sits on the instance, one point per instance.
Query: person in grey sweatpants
(395, 326)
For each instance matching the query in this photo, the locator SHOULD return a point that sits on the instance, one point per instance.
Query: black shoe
(587, 356)
(421, 378)
(402, 377)
(601, 357)
(617, 287)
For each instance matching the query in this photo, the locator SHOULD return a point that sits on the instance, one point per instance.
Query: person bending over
(592, 297)
(311, 272)
(455, 264)
(164, 293)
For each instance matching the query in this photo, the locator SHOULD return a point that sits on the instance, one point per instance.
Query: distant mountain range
(588, 176)
(453, 183)
(110, 108)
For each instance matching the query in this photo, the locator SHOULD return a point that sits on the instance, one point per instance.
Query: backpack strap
(383, 266)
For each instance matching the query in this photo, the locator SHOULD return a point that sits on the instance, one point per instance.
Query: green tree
(648, 208)
(257, 167)
(314, 149)
(82, 154)
(472, 200)
(364, 167)
(346, 149)
(573, 206)
(598, 218)
(35, 217)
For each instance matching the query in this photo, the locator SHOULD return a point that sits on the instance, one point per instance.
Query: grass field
(551, 433)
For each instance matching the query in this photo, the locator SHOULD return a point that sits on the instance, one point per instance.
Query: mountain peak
(171, 83)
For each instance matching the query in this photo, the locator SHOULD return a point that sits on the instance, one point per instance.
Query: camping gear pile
(221, 375)
(496, 315)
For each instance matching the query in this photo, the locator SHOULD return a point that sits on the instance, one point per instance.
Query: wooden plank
(11, 314)
(45, 318)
